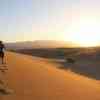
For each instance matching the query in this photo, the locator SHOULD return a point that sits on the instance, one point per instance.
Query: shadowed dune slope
(34, 78)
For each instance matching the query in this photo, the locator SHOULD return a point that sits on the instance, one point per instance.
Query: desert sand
(34, 78)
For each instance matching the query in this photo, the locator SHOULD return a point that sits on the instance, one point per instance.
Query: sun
(85, 40)
(85, 34)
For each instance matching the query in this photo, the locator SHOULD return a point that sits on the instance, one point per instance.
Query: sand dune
(34, 78)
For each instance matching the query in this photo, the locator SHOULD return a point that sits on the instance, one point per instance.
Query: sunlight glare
(85, 34)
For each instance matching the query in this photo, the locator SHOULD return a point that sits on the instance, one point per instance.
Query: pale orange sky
(69, 20)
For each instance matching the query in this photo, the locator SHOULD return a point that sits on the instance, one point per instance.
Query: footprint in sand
(6, 91)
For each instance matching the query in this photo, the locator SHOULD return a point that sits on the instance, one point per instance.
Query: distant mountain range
(39, 44)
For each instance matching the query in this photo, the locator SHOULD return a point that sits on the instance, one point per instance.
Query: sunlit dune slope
(38, 79)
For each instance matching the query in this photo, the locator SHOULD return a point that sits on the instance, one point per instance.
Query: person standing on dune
(2, 47)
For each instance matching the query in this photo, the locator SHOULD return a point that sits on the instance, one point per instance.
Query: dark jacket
(2, 47)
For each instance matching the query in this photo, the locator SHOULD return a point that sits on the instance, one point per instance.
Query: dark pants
(2, 56)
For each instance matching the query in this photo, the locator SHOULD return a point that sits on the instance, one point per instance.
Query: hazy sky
(47, 19)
